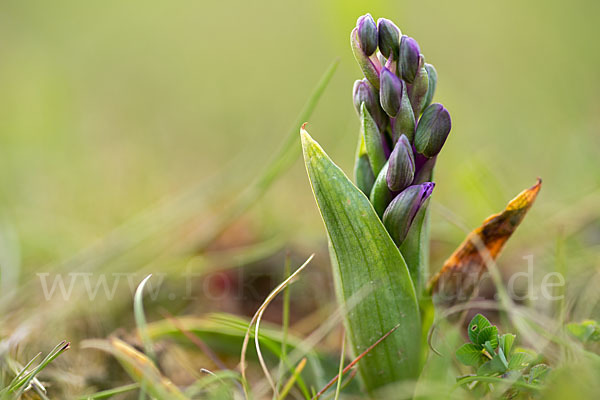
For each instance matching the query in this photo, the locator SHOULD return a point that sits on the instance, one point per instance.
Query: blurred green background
(108, 108)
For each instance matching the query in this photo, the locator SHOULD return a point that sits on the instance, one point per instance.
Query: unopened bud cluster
(401, 130)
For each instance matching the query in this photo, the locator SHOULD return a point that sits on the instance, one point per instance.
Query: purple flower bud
(367, 34)
(364, 92)
(390, 92)
(432, 130)
(370, 66)
(399, 215)
(409, 58)
(401, 169)
(389, 38)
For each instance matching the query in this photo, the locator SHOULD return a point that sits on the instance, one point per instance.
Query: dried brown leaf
(460, 274)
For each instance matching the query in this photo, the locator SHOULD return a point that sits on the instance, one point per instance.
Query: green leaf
(492, 367)
(470, 354)
(502, 357)
(488, 347)
(506, 343)
(370, 275)
(477, 324)
(519, 360)
(489, 334)
(463, 380)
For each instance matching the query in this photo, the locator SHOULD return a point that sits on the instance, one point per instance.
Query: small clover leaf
(496, 359)
(489, 334)
(495, 366)
(471, 355)
(506, 343)
(519, 360)
(502, 357)
(477, 324)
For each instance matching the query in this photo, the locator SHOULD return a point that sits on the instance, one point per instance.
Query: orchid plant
(378, 227)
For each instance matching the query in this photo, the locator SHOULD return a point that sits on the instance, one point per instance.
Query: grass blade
(140, 367)
(290, 383)
(23, 383)
(140, 318)
(285, 320)
(23, 370)
(105, 394)
(341, 369)
(256, 319)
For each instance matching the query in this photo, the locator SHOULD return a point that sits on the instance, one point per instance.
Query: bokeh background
(127, 127)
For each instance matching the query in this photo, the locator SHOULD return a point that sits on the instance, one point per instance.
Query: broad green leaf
(489, 334)
(506, 343)
(487, 345)
(470, 354)
(370, 275)
(519, 360)
(502, 357)
(477, 324)
(492, 367)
